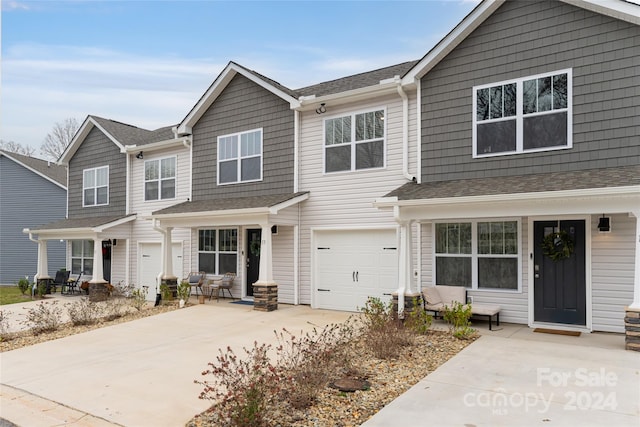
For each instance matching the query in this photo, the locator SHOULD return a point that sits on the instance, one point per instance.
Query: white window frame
(353, 143)
(83, 256)
(475, 255)
(217, 252)
(95, 187)
(519, 117)
(159, 180)
(239, 157)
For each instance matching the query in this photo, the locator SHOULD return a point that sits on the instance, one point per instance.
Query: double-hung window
(523, 115)
(82, 257)
(160, 179)
(240, 157)
(478, 255)
(95, 186)
(218, 250)
(354, 142)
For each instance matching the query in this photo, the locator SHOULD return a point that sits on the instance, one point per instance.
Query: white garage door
(149, 263)
(352, 265)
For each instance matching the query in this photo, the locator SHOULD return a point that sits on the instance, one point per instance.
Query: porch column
(266, 266)
(43, 262)
(636, 278)
(167, 253)
(265, 290)
(98, 272)
(406, 294)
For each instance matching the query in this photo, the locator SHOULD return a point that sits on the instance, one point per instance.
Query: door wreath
(558, 245)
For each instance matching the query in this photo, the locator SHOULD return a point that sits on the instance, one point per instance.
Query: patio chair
(195, 280)
(61, 280)
(225, 282)
(73, 284)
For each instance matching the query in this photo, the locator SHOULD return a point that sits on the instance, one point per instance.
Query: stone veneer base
(632, 329)
(265, 296)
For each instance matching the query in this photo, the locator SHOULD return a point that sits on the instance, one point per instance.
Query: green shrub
(24, 285)
(184, 290)
(457, 316)
(167, 294)
(139, 297)
(418, 321)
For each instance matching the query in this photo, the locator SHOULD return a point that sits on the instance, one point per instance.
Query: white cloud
(8, 6)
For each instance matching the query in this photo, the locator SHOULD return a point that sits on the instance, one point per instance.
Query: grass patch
(12, 295)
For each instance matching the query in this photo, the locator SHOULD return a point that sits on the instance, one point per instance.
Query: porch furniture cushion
(437, 297)
(62, 277)
(195, 280)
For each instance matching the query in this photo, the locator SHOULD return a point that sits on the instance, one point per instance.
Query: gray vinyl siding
(27, 200)
(244, 106)
(527, 38)
(96, 151)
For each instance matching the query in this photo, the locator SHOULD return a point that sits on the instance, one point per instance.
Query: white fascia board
(476, 17)
(385, 87)
(79, 138)
(288, 203)
(623, 10)
(210, 214)
(80, 135)
(215, 219)
(53, 181)
(154, 146)
(216, 88)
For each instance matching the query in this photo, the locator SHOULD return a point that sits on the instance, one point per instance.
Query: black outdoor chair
(61, 280)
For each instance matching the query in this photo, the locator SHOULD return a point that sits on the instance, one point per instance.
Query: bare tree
(59, 138)
(15, 147)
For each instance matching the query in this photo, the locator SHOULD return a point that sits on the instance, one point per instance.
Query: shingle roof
(556, 181)
(128, 134)
(228, 204)
(46, 168)
(356, 81)
(71, 223)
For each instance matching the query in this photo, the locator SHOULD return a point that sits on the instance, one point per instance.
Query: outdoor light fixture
(321, 109)
(604, 224)
(140, 155)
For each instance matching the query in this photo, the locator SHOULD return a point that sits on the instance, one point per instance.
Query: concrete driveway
(141, 374)
(138, 373)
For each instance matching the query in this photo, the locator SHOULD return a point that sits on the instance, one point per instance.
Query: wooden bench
(436, 298)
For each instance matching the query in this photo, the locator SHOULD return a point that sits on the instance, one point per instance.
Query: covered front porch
(91, 245)
(489, 235)
(254, 237)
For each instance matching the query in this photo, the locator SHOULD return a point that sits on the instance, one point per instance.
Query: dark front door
(559, 285)
(254, 237)
(106, 260)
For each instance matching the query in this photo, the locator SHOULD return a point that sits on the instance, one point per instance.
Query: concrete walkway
(516, 377)
(141, 374)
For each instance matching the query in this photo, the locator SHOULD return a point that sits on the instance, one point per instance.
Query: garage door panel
(352, 265)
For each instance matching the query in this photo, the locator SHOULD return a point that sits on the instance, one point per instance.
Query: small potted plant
(184, 289)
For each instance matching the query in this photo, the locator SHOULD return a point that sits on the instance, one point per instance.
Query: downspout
(405, 131)
(296, 140)
(401, 279)
(128, 183)
(296, 228)
(419, 130)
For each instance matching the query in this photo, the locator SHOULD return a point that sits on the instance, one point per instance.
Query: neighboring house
(32, 192)
(531, 144)
(100, 222)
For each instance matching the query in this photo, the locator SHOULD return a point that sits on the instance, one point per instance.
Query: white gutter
(405, 129)
(184, 140)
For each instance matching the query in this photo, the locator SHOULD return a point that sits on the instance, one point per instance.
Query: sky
(146, 63)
